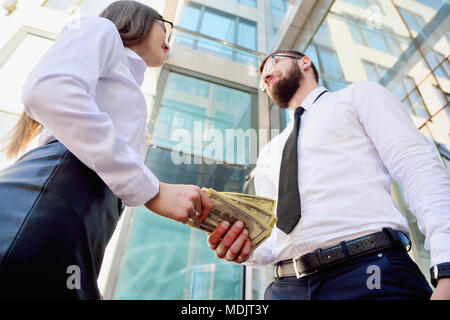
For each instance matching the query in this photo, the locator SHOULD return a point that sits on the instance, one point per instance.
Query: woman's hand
(180, 202)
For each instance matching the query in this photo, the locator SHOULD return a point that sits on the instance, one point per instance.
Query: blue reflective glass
(278, 7)
(246, 37)
(312, 54)
(247, 34)
(371, 71)
(417, 104)
(435, 4)
(218, 25)
(200, 107)
(394, 46)
(356, 34)
(334, 85)
(189, 85)
(250, 3)
(413, 20)
(166, 260)
(189, 17)
(375, 40)
(329, 62)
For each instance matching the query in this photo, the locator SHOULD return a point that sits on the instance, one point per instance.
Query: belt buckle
(297, 273)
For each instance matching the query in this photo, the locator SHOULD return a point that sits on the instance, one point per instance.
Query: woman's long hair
(133, 21)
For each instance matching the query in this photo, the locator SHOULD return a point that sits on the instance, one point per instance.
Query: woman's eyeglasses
(167, 27)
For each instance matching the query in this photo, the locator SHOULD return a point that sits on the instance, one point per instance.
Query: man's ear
(305, 63)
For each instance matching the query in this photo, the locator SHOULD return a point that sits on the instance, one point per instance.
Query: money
(254, 211)
(262, 202)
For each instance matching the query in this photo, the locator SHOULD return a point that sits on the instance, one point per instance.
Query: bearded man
(339, 234)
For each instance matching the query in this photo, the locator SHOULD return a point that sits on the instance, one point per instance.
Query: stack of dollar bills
(254, 211)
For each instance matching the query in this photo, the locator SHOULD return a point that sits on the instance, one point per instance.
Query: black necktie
(289, 208)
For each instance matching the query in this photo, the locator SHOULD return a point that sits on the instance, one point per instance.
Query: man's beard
(284, 89)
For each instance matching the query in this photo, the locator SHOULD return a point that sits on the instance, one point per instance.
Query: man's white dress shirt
(85, 91)
(351, 142)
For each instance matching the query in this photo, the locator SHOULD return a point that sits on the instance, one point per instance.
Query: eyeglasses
(270, 65)
(167, 27)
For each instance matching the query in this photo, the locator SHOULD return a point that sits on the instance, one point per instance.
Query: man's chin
(280, 104)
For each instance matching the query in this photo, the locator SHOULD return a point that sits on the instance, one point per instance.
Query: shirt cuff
(140, 190)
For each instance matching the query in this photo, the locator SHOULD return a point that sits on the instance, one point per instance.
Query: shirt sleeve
(60, 94)
(263, 187)
(411, 161)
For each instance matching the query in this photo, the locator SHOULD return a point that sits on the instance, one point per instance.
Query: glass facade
(195, 115)
(152, 266)
(274, 14)
(219, 28)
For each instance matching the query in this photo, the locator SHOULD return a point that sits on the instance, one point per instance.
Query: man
(339, 235)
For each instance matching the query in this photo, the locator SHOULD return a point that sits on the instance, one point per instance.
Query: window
(405, 90)
(279, 7)
(17, 67)
(274, 14)
(445, 154)
(89, 7)
(166, 260)
(434, 59)
(329, 62)
(363, 3)
(334, 85)
(374, 71)
(375, 40)
(82, 7)
(66, 6)
(250, 3)
(380, 41)
(221, 26)
(152, 267)
(218, 25)
(413, 20)
(311, 52)
(188, 101)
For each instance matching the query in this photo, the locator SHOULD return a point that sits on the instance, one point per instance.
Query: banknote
(261, 202)
(259, 213)
(256, 213)
(226, 210)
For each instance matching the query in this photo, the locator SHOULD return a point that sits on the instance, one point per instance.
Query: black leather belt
(346, 250)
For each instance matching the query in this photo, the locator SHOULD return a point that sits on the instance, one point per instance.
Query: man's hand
(180, 202)
(442, 291)
(232, 244)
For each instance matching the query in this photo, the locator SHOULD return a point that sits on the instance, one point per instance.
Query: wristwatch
(438, 271)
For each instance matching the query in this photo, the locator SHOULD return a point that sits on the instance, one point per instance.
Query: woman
(60, 202)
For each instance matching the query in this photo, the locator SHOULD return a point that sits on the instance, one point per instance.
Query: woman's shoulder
(92, 26)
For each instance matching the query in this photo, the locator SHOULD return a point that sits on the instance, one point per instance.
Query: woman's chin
(157, 62)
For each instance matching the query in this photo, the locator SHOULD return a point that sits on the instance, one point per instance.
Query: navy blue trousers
(56, 218)
(386, 275)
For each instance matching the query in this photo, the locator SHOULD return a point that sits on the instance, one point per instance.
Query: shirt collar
(137, 65)
(309, 100)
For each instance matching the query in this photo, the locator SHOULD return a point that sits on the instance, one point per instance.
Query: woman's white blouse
(86, 92)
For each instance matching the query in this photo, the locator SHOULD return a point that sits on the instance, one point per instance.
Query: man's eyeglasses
(167, 27)
(270, 65)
